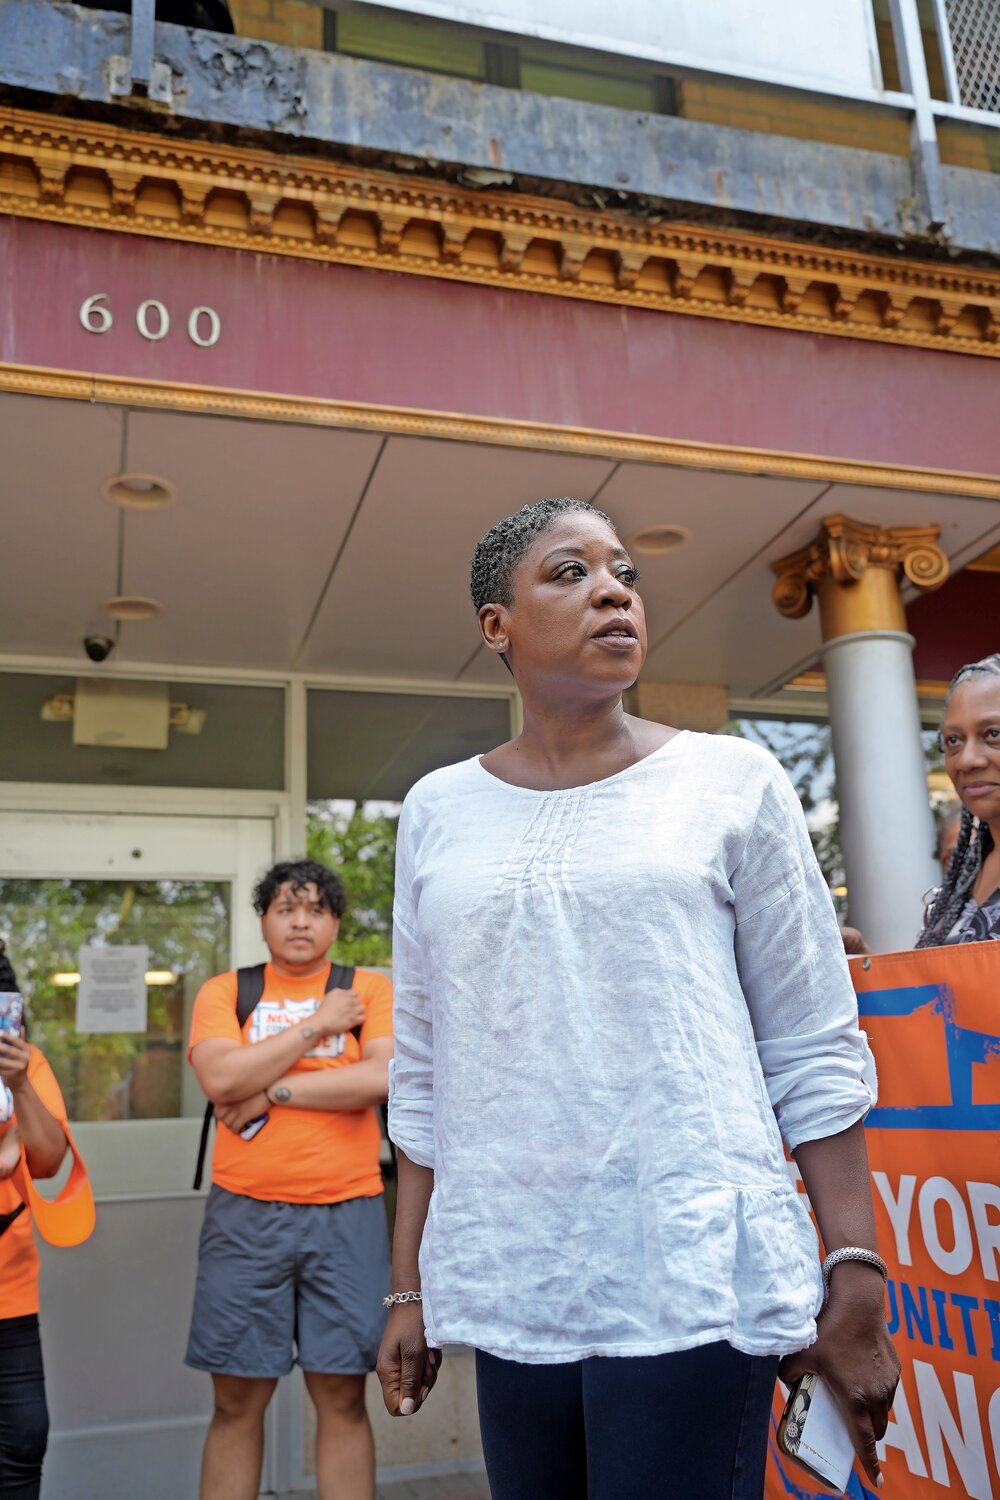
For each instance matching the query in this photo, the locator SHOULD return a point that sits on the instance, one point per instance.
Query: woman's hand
(15, 1055)
(854, 941)
(235, 1116)
(854, 1355)
(406, 1368)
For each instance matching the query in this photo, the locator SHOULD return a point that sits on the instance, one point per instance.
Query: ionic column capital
(856, 570)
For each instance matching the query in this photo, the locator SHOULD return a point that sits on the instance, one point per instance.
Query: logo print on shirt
(272, 1017)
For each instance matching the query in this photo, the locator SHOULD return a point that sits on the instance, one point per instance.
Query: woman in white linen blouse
(618, 983)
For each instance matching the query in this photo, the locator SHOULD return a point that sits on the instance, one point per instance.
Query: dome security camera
(98, 647)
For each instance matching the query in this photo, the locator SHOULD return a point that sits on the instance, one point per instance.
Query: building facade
(295, 300)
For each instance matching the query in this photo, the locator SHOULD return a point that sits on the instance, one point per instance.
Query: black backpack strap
(341, 977)
(6, 1220)
(249, 989)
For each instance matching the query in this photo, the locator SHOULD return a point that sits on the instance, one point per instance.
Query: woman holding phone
(618, 975)
(32, 1115)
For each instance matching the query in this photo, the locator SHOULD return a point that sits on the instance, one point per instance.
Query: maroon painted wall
(308, 329)
(959, 622)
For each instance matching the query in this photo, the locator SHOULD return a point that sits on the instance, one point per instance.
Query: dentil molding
(103, 176)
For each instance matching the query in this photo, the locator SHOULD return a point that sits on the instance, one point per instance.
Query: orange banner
(933, 1020)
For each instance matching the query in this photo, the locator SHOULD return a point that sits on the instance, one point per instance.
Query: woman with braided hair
(966, 909)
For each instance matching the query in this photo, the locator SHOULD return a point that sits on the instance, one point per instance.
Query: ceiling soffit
(97, 175)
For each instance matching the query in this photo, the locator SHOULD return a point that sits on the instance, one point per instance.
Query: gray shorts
(280, 1283)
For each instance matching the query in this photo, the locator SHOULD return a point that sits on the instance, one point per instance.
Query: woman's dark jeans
(670, 1425)
(24, 1416)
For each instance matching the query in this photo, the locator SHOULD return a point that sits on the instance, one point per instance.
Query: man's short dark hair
(498, 553)
(298, 873)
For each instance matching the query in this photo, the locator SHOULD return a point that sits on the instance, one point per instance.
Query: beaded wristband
(398, 1298)
(853, 1252)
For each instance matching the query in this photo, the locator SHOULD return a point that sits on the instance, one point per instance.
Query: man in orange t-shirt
(31, 1112)
(293, 1259)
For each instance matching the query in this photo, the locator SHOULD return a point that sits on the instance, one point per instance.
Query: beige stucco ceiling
(338, 552)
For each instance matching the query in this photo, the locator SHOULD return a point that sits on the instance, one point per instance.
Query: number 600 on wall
(204, 326)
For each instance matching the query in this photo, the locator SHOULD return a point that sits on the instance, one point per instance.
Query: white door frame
(159, 842)
(89, 832)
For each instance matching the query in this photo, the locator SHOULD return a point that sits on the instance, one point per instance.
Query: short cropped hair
(298, 873)
(498, 553)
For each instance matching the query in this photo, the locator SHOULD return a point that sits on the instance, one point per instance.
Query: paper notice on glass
(111, 995)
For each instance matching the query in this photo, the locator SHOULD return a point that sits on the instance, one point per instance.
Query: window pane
(412, 42)
(239, 742)
(545, 74)
(368, 747)
(185, 925)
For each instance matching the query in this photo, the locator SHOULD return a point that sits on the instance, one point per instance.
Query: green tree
(362, 849)
(184, 924)
(806, 752)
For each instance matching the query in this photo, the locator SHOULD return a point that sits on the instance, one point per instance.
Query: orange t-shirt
(18, 1254)
(301, 1155)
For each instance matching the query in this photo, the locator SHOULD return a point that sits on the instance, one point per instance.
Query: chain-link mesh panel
(974, 26)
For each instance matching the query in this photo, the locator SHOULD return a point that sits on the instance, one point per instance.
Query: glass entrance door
(128, 1418)
(180, 889)
(184, 928)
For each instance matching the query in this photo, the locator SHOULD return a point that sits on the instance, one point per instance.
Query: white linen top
(603, 998)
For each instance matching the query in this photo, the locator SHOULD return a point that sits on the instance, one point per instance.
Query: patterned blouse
(977, 923)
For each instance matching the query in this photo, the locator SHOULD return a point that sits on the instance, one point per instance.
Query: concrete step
(443, 1487)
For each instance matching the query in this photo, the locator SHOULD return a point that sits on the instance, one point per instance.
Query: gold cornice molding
(987, 562)
(114, 390)
(102, 176)
(928, 688)
(854, 569)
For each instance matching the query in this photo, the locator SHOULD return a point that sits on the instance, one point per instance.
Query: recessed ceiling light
(133, 607)
(659, 539)
(139, 491)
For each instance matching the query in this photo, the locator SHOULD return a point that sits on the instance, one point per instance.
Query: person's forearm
(241, 1071)
(357, 1085)
(413, 1195)
(42, 1136)
(837, 1178)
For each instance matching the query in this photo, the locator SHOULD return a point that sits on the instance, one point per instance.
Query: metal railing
(969, 38)
(969, 46)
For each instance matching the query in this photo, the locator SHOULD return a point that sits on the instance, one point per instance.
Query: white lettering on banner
(152, 319)
(272, 1017)
(902, 1434)
(994, 1417)
(963, 1437)
(968, 1232)
(939, 1190)
(899, 1210)
(983, 1196)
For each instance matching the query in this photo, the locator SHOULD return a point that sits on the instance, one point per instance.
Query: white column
(856, 569)
(886, 826)
(291, 834)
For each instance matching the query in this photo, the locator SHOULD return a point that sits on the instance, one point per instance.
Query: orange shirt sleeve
(214, 1013)
(43, 1081)
(376, 992)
